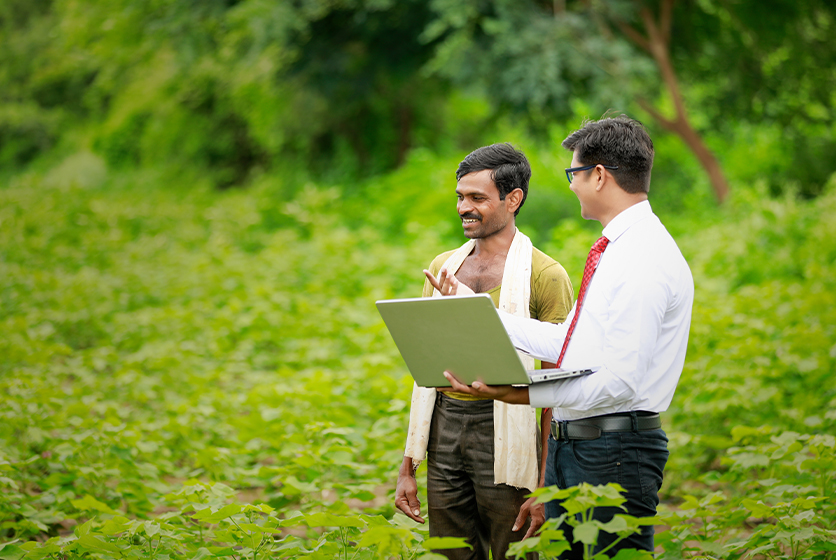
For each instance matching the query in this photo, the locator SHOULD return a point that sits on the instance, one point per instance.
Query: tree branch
(659, 51)
(634, 36)
(663, 120)
(665, 20)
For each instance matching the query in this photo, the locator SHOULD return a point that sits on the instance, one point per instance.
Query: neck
(498, 243)
(619, 205)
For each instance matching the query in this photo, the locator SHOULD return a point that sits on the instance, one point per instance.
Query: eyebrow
(470, 192)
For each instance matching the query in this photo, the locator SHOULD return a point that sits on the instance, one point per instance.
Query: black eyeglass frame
(571, 170)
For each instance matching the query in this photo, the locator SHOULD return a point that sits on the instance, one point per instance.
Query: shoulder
(543, 267)
(650, 244)
(650, 258)
(551, 289)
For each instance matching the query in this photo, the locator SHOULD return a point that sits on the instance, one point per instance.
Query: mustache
(470, 216)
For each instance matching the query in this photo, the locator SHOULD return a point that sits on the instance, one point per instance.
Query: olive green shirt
(551, 291)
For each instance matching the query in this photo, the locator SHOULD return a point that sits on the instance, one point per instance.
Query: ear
(601, 178)
(513, 200)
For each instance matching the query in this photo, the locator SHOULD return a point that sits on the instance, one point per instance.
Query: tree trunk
(657, 44)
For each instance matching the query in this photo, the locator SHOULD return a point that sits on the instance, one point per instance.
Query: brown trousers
(463, 500)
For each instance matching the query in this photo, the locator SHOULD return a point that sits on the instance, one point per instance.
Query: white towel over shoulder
(515, 426)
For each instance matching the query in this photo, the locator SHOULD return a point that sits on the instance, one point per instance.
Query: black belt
(592, 428)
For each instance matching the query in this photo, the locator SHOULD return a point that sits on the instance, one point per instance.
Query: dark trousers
(635, 460)
(462, 499)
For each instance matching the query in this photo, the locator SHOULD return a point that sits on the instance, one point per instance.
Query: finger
(457, 385)
(444, 279)
(521, 517)
(432, 280)
(415, 507)
(532, 529)
(538, 517)
(483, 390)
(409, 510)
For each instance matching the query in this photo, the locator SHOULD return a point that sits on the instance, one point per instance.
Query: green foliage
(580, 503)
(193, 373)
(230, 87)
(347, 89)
(735, 64)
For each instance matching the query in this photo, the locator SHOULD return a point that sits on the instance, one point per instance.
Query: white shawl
(515, 426)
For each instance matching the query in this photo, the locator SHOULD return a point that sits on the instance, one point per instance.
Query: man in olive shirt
(483, 458)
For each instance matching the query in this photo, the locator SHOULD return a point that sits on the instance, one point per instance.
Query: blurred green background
(200, 201)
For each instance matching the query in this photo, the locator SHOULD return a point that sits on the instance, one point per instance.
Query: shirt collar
(626, 219)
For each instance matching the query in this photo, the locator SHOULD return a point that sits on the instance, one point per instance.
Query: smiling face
(482, 212)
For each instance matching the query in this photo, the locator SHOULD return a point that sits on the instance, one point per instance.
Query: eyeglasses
(570, 172)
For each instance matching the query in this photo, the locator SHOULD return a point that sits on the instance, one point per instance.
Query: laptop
(461, 334)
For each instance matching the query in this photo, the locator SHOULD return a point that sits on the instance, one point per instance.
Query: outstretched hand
(447, 284)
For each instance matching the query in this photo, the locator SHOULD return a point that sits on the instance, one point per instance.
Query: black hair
(617, 141)
(509, 168)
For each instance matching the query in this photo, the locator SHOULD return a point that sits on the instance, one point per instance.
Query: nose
(464, 206)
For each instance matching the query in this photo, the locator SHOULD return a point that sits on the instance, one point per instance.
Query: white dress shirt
(634, 325)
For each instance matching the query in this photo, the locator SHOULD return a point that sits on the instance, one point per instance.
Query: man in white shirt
(633, 320)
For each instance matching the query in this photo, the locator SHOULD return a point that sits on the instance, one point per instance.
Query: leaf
(12, 553)
(10, 543)
(89, 503)
(387, 538)
(322, 519)
(84, 528)
(738, 433)
(115, 525)
(825, 546)
(262, 508)
(222, 513)
(632, 554)
(713, 547)
(93, 542)
(151, 528)
(758, 509)
(373, 520)
(586, 532)
(446, 543)
(253, 528)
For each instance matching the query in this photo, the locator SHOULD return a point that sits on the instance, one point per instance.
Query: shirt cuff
(541, 395)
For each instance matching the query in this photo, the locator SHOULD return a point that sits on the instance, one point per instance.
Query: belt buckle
(573, 430)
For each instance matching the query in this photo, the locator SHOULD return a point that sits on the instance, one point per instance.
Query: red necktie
(591, 264)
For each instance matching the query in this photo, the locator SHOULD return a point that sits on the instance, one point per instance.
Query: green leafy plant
(579, 503)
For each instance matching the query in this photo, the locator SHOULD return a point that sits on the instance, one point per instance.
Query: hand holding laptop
(504, 393)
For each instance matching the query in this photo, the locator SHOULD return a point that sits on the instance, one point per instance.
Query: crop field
(194, 374)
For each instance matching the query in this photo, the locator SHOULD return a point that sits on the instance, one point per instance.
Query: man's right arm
(406, 493)
(537, 338)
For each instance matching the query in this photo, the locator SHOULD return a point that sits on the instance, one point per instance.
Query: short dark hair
(618, 141)
(509, 168)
